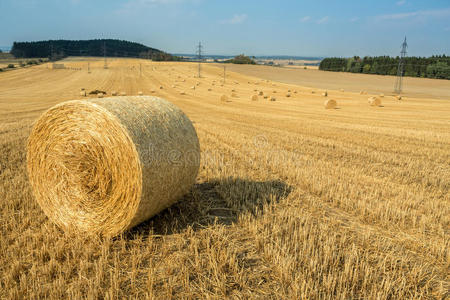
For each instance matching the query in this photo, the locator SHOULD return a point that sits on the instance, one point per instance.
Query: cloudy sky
(264, 27)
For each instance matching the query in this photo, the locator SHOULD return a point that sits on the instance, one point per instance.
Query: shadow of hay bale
(214, 202)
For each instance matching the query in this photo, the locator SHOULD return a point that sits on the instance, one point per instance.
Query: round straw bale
(288, 95)
(224, 98)
(234, 95)
(325, 94)
(341, 90)
(255, 98)
(140, 93)
(100, 95)
(381, 95)
(374, 101)
(193, 87)
(330, 104)
(209, 90)
(123, 94)
(398, 97)
(266, 96)
(182, 93)
(83, 93)
(261, 93)
(273, 98)
(82, 89)
(113, 93)
(106, 165)
(160, 87)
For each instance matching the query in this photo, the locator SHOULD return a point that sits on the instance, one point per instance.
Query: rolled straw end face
(92, 164)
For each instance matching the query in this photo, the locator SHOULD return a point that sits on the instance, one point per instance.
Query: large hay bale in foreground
(330, 104)
(106, 165)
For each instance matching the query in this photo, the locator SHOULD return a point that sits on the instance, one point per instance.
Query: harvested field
(291, 201)
(414, 87)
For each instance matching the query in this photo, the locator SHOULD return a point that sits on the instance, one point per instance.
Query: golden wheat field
(292, 201)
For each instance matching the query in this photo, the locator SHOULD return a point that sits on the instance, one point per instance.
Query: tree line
(437, 66)
(57, 49)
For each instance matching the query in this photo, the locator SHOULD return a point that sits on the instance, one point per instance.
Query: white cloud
(354, 19)
(323, 20)
(236, 19)
(420, 14)
(401, 2)
(305, 19)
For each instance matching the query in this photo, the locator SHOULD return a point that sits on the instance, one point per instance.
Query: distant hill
(57, 49)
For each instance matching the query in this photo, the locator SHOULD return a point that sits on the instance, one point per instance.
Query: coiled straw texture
(106, 165)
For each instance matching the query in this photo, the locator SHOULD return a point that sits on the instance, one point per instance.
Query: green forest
(428, 67)
(57, 49)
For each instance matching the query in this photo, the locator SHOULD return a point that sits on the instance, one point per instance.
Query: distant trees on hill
(241, 59)
(57, 49)
(429, 67)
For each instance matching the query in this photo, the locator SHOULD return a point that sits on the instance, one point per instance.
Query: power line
(105, 65)
(401, 65)
(199, 53)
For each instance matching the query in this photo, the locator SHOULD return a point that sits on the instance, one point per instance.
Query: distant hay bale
(274, 91)
(266, 96)
(140, 93)
(161, 87)
(330, 104)
(182, 93)
(374, 101)
(255, 98)
(313, 92)
(362, 92)
(83, 93)
(193, 87)
(114, 93)
(288, 95)
(255, 90)
(273, 98)
(398, 97)
(82, 89)
(209, 90)
(325, 94)
(289, 91)
(100, 95)
(104, 179)
(152, 91)
(295, 92)
(261, 93)
(123, 94)
(381, 95)
(224, 98)
(233, 90)
(174, 86)
(234, 95)
(341, 90)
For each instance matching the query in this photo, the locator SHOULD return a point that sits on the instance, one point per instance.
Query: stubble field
(291, 201)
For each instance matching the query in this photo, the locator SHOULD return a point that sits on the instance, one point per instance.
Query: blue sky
(265, 27)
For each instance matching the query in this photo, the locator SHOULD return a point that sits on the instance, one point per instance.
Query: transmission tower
(224, 74)
(400, 69)
(199, 55)
(105, 64)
